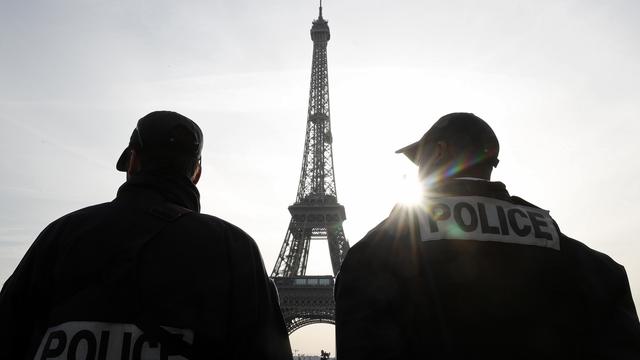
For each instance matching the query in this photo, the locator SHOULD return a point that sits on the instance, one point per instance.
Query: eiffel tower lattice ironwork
(316, 213)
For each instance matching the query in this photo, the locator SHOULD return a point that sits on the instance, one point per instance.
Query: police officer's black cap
(463, 129)
(165, 133)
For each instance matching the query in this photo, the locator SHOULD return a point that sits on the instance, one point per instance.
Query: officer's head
(163, 143)
(457, 145)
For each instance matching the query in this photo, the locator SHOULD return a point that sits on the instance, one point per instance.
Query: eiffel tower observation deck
(316, 214)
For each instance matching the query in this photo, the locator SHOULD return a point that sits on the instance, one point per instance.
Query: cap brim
(123, 161)
(410, 151)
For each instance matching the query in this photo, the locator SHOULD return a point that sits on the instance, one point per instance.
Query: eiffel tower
(316, 213)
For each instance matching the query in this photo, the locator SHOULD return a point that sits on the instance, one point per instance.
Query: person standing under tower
(475, 273)
(146, 276)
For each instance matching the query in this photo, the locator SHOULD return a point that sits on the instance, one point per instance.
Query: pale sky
(557, 81)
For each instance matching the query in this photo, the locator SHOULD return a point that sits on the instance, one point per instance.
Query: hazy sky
(557, 80)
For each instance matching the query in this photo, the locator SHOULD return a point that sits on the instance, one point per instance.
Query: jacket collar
(175, 189)
(468, 187)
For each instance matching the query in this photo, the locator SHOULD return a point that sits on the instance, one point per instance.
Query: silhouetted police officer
(145, 276)
(475, 273)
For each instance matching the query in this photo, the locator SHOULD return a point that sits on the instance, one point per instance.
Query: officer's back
(473, 272)
(146, 276)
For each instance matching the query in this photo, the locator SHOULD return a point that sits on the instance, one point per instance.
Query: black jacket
(143, 274)
(475, 273)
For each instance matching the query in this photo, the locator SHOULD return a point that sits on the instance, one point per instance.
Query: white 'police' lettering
(104, 341)
(486, 219)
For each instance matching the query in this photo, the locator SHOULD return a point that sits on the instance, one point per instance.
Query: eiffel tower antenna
(316, 214)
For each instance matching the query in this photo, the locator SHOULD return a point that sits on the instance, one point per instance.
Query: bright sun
(409, 190)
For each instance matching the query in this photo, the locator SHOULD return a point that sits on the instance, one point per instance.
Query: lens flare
(453, 168)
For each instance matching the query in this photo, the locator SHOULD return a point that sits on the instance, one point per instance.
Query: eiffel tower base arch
(306, 300)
